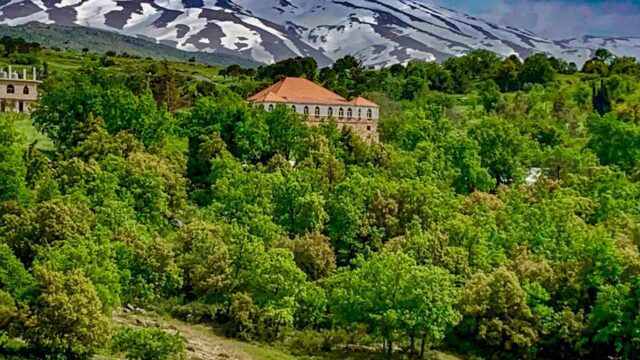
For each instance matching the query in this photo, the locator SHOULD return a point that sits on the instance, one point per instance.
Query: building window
(11, 89)
(270, 107)
(20, 106)
(341, 112)
(368, 128)
(293, 107)
(359, 113)
(306, 110)
(330, 112)
(349, 113)
(317, 111)
(369, 113)
(25, 91)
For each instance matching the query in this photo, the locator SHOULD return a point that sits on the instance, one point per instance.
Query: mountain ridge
(78, 37)
(377, 32)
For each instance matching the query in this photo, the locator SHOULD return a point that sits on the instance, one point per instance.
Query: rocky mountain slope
(379, 32)
(78, 38)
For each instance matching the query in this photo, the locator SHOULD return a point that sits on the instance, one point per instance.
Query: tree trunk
(389, 348)
(413, 347)
(423, 345)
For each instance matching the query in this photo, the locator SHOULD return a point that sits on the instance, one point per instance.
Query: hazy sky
(558, 19)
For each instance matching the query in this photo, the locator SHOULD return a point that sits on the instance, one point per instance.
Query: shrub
(194, 312)
(24, 59)
(105, 61)
(149, 344)
(310, 342)
(66, 318)
(242, 317)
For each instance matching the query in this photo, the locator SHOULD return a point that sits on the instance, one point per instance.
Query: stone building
(18, 92)
(320, 104)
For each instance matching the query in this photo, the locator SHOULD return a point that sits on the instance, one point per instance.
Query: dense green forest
(498, 217)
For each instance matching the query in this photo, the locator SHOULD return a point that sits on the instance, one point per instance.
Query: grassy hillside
(68, 61)
(78, 38)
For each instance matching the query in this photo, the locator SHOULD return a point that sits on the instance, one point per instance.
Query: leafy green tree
(436, 77)
(624, 65)
(298, 208)
(13, 170)
(508, 74)
(54, 323)
(306, 67)
(614, 141)
(537, 70)
(154, 185)
(490, 95)
(395, 298)
(503, 149)
(70, 99)
(287, 133)
(347, 226)
(595, 66)
(274, 283)
(8, 312)
(483, 64)
(205, 260)
(242, 316)
(14, 278)
(148, 266)
(464, 156)
(312, 253)
(95, 260)
(414, 87)
(495, 310)
(49, 224)
(616, 319)
(603, 55)
(460, 74)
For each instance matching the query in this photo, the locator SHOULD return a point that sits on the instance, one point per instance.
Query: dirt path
(201, 342)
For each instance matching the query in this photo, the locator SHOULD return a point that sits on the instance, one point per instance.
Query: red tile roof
(360, 101)
(302, 91)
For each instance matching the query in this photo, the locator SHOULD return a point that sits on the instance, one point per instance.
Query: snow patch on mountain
(378, 32)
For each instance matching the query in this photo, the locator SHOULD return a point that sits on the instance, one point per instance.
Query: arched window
(330, 112)
(270, 107)
(25, 91)
(306, 110)
(317, 111)
(369, 113)
(293, 107)
(10, 89)
(349, 113)
(341, 112)
(359, 113)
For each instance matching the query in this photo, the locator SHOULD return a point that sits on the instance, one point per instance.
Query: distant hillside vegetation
(78, 38)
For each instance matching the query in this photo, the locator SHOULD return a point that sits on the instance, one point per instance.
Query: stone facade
(363, 120)
(18, 92)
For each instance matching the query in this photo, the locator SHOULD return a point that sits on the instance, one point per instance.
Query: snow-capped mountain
(379, 32)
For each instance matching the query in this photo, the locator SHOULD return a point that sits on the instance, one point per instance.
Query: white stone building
(18, 92)
(320, 104)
